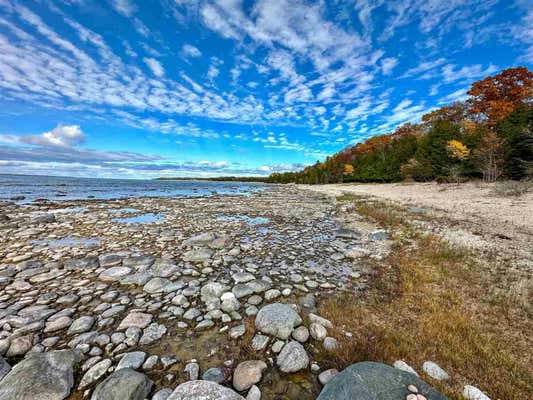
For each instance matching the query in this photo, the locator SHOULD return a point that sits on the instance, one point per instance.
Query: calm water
(60, 188)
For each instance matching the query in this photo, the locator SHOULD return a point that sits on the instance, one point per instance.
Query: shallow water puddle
(210, 349)
(69, 242)
(147, 218)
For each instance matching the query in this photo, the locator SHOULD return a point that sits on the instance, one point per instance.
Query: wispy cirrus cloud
(213, 72)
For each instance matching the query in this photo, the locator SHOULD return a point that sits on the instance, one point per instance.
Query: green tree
(517, 133)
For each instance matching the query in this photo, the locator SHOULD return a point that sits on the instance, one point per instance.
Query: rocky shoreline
(179, 298)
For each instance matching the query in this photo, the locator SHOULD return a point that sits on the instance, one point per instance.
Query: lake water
(61, 188)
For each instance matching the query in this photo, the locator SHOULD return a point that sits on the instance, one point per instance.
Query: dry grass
(512, 188)
(431, 302)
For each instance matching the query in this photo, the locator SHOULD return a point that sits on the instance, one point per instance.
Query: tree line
(489, 136)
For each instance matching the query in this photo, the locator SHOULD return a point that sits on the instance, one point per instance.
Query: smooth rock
(152, 333)
(292, 358)
(132, 360)
(277, 320)
(94, 373)
(435, 371)
(374, 381)
(254, 393)
(203, 390)
(46, 376)
(214, 374)
(473, 393)
(248, 373)
(325, 376)
(317, 331)
(402, 365)
(135, 319)
(124, 384)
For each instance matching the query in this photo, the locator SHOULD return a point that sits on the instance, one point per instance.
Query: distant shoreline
(218, 179)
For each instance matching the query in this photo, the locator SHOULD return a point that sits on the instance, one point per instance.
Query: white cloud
(124, 7)
(155, 66)
(191, 51)
(61, 135)
(388, 64)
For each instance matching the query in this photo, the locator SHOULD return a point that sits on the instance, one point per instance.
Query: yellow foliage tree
(457, 149)
(348, 169)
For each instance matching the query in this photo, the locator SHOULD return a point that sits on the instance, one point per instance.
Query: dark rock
(375, 381)
(41, 376)
(124, 384)
(4, 368)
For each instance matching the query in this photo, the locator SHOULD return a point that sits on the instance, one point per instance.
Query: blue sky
(140, 89)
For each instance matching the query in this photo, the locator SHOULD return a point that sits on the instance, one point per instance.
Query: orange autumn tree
(497, 96)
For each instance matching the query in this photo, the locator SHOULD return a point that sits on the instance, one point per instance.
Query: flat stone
(237, 331)
(152, 333)
(20, 345)
(135, 319)
(156, 285)
(212, 291)
(198, 255)
(114, 274)
(94, 373)
(57, 324)
(203, 390)
(81, 325)
(242, 277)
(473, 393)
(403, 366)
(132, 360)
(214, 375)
(109, 260)
(259, 342)
(435, 371)
(277, 320)
(124, 384)
(47, 376)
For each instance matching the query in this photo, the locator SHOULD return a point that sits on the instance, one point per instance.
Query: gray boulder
(124, 384)
(278, 320)
(45, 376)
(375, 381)
(292, 357)
(203, 390)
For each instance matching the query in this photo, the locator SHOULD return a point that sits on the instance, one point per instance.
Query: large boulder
(203, 390)
(44, 376)
(375, 381)
(277, 320)
(124, 384)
